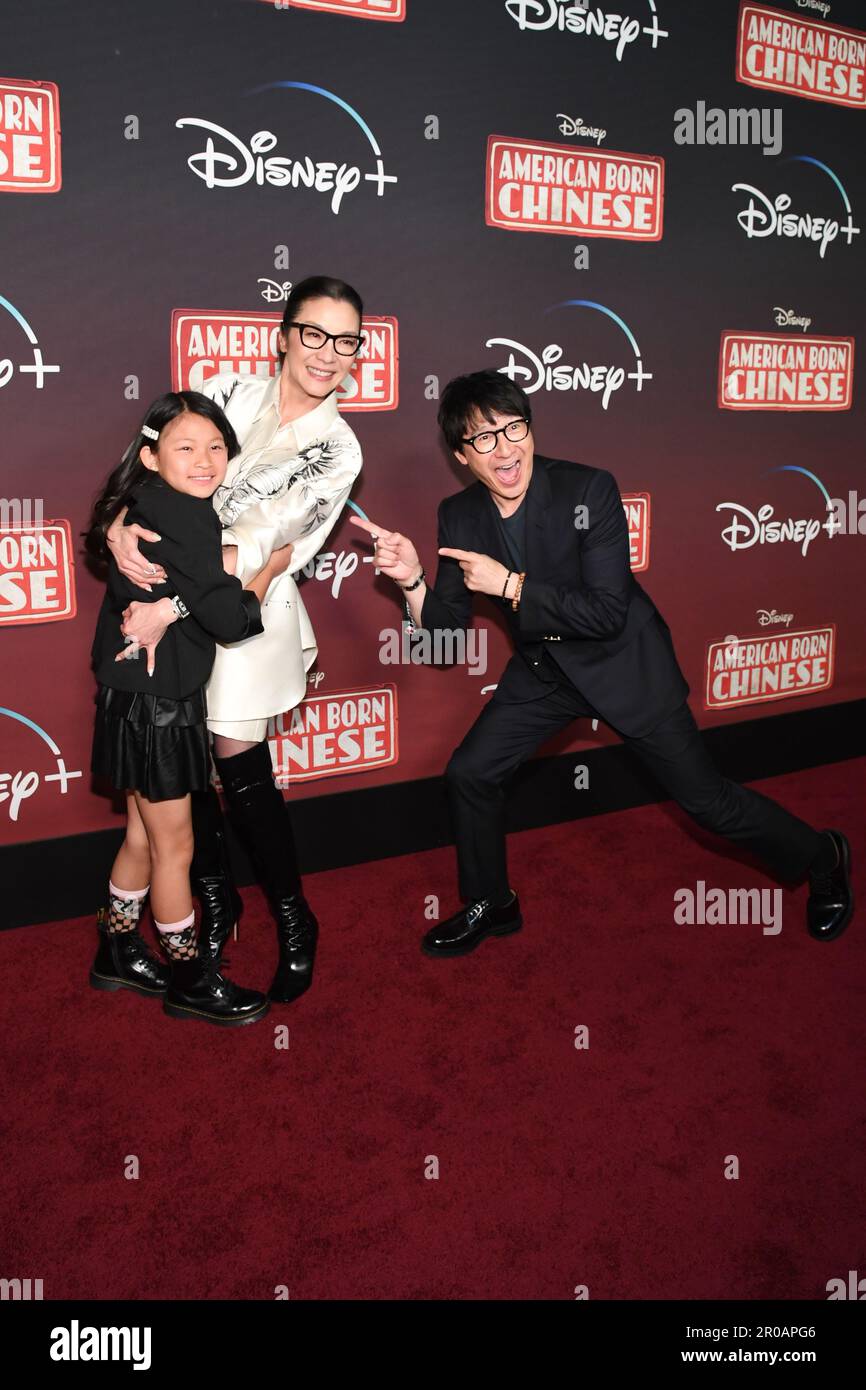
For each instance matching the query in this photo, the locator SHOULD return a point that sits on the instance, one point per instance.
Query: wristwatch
(179, 608)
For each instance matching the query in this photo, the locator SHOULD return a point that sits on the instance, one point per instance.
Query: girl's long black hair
(117, 492)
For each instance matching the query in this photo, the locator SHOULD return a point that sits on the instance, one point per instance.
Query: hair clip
(151, 433)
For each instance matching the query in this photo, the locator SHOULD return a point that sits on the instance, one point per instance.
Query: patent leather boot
(297, 934)
(123, 961)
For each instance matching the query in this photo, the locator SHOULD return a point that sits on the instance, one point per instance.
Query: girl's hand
(122, 541)
(230, 559)
(394, 554)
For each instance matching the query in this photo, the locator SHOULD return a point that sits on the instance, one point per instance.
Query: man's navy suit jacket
(580, 600)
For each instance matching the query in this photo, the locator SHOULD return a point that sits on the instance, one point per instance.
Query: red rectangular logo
(751, 670)
(805, 57)
(205, 342)
(539, 187)
(637, 513)
(362, 9)
(332, 735)
(373, 383)
(37, 573)
(29, 137)
(781, 371)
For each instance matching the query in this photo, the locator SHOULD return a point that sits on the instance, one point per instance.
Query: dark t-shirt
(513, 531)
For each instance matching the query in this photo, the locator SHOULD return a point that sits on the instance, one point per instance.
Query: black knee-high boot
(211, 875)
(261, 818)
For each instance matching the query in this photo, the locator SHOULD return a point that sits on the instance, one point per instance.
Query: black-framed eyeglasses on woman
(485, 442)
(346, 344)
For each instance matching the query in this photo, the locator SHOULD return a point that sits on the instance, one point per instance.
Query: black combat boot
(198, 989)
(124, 962)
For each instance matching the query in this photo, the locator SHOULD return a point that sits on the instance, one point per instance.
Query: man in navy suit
(548, 541)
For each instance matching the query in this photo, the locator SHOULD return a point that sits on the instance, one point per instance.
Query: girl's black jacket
(191, 555)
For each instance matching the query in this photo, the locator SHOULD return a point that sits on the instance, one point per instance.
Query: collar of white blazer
(306, 428)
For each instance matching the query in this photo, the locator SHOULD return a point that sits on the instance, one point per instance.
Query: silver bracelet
(179, 608)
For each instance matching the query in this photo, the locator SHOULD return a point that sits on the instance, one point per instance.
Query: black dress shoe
(469, 927)
(297, 934)
(831, 902)
(124, 962)
(198, 990)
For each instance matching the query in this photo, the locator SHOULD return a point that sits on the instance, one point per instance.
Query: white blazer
(289, 483)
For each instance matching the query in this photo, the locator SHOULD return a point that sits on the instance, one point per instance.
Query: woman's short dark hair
(318, 287)
(486, 393)
(117, 491)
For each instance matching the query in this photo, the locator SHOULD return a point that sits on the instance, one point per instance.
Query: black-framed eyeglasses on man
(346, 344)
(485, 442)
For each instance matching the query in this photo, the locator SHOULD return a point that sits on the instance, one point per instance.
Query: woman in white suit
(288, 485)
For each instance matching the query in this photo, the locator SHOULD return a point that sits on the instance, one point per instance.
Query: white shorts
(244, 730)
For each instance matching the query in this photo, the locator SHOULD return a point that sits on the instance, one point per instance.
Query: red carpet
(557, 1167)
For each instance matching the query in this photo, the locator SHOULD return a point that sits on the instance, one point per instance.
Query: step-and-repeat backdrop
(648, 214)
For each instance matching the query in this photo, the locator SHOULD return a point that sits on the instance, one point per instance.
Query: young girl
(150, 739)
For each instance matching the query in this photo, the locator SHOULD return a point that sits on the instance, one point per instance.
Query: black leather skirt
(151, 744)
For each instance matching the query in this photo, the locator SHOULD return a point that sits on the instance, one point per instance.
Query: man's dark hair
(487, 393)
